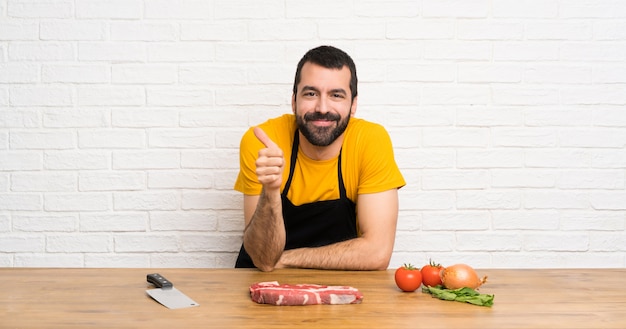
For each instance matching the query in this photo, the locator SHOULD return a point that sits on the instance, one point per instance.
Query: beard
(321, 136)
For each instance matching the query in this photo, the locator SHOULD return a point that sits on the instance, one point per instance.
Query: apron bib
(313, 224)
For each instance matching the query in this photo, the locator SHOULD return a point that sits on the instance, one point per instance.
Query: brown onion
(459, 276)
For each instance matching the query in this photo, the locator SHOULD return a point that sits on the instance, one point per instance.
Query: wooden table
(116, 298)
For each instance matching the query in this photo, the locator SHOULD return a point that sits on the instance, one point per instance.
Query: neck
(320, 153)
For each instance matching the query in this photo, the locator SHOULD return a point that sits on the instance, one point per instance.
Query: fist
(270, 162)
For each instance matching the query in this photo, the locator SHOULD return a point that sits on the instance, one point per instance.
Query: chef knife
(166, 294)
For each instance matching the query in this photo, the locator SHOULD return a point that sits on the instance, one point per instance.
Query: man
(320, 186)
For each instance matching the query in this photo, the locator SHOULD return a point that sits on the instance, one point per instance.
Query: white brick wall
(120, 122)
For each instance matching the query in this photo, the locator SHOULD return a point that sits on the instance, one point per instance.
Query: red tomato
(408, 278)
(431, 274)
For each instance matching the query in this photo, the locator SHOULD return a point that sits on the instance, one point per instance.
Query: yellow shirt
(367, 163)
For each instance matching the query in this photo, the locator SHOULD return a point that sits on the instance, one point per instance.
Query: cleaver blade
(166, 294)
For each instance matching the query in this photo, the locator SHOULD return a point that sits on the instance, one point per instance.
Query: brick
(219, 31)
(48, 140)
(211, 159)
(609, 241)
(43, 182)
(456, 221)
(423, 29)
(188, 138)
(559, 30)
(527, 178)
(40, 8)
(180, 96)
(72, 30)
(5, 220)
(611, 200)
(608, 159)
(186, 260)
(146, 159)
(20, 202)
(609, 30)
(203, 118)
(562, 74)
(112, 51)
(45, 223)
(268, 9)
(144, 74)
(44, 260)
(468, 95)
(114, 222)
(421, 73)
(41, 96)
(455, 180)
(596, 138)
(145, 243)
(20, 160)
(456, 8)
(116, 9)
(257, 52)
(421, 158)
(74, 73)
(492, 117)
(557, 158)
(592, 221)
(592, 179)
(488, 199)
(112, 96)
(457, 137)
(183, 221)
(525, 9)
(76, 160)
(162, 200)
(609, 73)
(41, 51)
(489, 30)
(78, 243)
(77, 202)
(556, 242)
(539, 199)
(489, 158)
(485, 73)
(134, 118)
(526, 51)
(526, 96)
(493, 242)
(430, 200)
(179, 9)
(548, 220)
(117, 260)
(593, 51)
(525, 137)
(180, 180)
(214, 200)
(425, 242)
(210, 242)
(75, 118)
(22, 243)
(181, 52)
(397, 8)
(17, 119)
(111, 181)
(142, 31)
(114, 138)
(18, 73)
(458, 50)
(594, 95)
(307, 30)
(592, 9)
(553, 116)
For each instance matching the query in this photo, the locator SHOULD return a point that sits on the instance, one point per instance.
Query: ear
(353, 106)
(293, 103)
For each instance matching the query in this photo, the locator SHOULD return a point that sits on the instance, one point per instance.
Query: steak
(303, 294)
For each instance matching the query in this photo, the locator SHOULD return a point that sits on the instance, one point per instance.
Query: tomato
(408, 278)
(431, 274)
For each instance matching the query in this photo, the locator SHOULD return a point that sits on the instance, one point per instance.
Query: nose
(322, 105)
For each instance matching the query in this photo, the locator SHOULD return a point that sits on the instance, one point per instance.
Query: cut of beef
(303, 294)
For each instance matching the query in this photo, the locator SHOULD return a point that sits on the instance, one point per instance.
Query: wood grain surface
(116, 298)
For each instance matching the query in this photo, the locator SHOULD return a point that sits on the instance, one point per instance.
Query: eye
(309, 93)
(338, 95)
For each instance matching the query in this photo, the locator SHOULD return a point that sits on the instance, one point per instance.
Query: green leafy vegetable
(465, 295)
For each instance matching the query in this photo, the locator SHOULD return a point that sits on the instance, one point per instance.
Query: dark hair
(328, 57)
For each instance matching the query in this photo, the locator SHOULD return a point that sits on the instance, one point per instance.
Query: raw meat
(303, 294)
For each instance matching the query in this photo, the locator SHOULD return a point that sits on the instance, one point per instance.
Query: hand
(270, 163)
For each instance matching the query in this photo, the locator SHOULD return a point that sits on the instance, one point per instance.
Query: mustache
(312, 116)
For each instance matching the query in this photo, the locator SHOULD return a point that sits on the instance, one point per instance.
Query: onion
(459, 276)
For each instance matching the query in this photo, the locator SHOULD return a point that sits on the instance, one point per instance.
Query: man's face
(323, 104)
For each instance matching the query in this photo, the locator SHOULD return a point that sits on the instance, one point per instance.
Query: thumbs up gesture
(270, 162)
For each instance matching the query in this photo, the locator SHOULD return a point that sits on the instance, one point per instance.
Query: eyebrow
(332, 91)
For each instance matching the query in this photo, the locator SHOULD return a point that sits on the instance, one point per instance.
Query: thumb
(263, 138)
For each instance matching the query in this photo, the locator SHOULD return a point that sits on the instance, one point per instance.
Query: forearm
(264, 237)
(354, 254)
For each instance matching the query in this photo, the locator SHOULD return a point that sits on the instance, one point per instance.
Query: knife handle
(159, 281)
